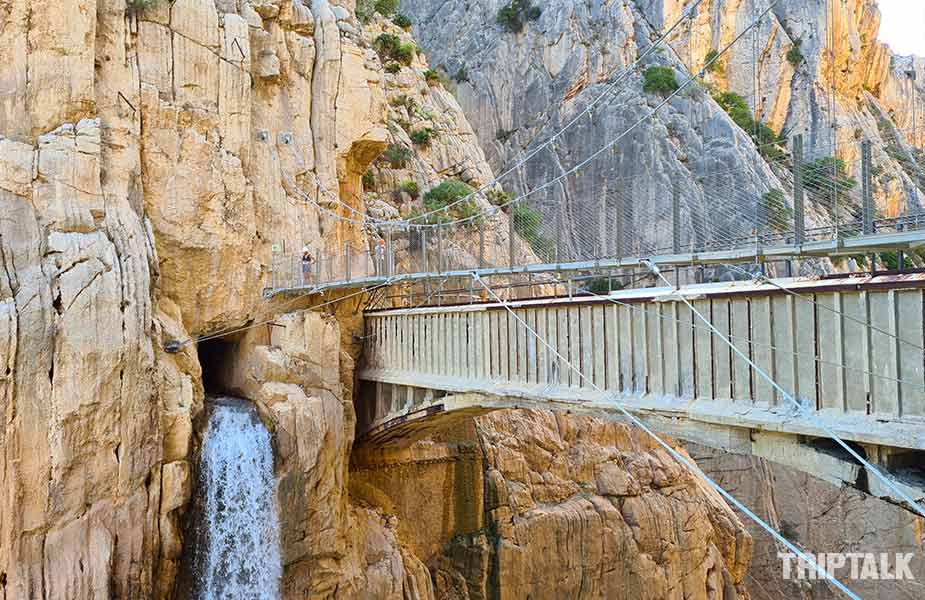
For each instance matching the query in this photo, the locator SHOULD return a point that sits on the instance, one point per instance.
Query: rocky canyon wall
(519, 88)
(157, 161)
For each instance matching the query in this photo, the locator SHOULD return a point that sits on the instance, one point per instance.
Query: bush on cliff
(513, 16)
(659, 80)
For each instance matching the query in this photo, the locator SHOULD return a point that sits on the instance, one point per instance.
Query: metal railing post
(799, 215)
(558, 235)
(510, 236)
(439, 249)
(318, 268)
(388, 252)
(867, 192)
(424, 249)
(347, 261)
(621, 217)
(481, 243)
(676, 218)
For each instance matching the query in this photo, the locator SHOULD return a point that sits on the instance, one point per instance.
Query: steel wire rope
(697, 471)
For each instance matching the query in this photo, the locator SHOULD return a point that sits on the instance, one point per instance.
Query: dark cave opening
(216, 357)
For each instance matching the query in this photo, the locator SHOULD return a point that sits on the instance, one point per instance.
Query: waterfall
(238, 553)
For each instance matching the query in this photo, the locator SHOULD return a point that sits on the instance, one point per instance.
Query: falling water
(238, 549)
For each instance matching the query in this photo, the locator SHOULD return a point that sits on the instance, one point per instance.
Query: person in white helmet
(307, 265)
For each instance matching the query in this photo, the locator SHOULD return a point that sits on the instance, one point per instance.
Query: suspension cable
(800, 408)
(675, 454)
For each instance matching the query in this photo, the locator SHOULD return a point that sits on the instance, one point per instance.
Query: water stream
(238, 548)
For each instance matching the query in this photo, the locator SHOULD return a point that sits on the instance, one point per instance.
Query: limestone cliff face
(530, 504)
(155, 165)
(519, 88)
(817, 515)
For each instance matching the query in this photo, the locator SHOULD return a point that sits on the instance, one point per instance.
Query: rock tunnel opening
(216, 357)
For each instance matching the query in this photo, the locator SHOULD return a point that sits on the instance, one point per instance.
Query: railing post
(621, 216)
(481, 243)
(318, 268)
(424, 249)
(867, 192)
(510, 236)
(347, 261)
(676, 218)
(439, 249)
(558, 235)
(388, 252)
(799, 216)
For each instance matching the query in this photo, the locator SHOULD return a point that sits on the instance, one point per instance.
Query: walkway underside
(866, 244)
(403, 414)
(848, 351)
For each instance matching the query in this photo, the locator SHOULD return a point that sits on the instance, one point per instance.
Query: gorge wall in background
(153, 166)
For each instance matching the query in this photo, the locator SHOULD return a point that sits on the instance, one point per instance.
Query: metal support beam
(799, 215)
(511, 232)
(621, 218)
(867, 192)
(347, 261)
(676, 218)
(439, 249)
(482, 243)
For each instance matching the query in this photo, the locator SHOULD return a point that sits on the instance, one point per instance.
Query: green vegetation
(718, 66)
(527, 223)
(461, 75)
(402, 21)
(764, 137)
(392, 67)
(498, 196)
(823, 174)
(776, 212)
(822, 177)
(369, 180)
(411, 188)
(659, 80)
(405, 101)
(602, 285)
(390, 47)
(794, 55)
(433, 77)
(449, 192)
(386, 8)
(397, 156)
(423, 136)
(514, 16)
(140, 5)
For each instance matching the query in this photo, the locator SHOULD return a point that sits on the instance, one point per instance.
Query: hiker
(307, 265)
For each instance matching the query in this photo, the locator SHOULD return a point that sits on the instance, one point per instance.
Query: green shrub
(776, 212)
(405, 101)
(140, 5)
(659, 80)
(449, 192)
(822, 174)
(397, 156)
(423, 136)
(365, 11)
(461, 75)
(602, 285)
(715, 67)
(390, 47)
(402, 21)
(794, 55)
(369, 180)
(764, 137)
(527, 222)
(433, 77)
(513, 16)
(392, 67)
(498, 197)
(411, 188)
(386, 8)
